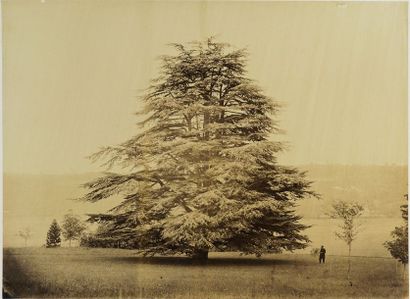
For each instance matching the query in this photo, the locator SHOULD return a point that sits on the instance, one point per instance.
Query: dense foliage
(203, 175)
(53, 235)
(399, 246)
(103, 238)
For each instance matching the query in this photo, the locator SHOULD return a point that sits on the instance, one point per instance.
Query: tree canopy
(399, 246)
(203, 174)
(72, 227)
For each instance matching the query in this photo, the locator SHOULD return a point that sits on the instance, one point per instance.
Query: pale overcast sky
(73, 71)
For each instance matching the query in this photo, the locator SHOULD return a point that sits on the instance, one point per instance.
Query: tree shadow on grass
(16, 280)
(212, 261)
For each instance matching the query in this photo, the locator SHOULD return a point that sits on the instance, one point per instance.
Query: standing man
(322, 254)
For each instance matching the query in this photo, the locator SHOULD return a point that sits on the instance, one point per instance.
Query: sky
(73, 72)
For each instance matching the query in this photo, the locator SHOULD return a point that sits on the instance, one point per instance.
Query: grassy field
(78, 272)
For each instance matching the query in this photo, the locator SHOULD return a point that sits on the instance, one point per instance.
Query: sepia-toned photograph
(205, 149)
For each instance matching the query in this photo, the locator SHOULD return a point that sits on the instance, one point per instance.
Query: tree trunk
(189, 121)
(69, 243)
(205, 125)
(348, 267)
(200, 255)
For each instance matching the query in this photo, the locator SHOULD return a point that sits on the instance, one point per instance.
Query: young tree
(53, 235)
(349, 213)
(203, 175)
(72, 227)
(25, 234)
(399, 246)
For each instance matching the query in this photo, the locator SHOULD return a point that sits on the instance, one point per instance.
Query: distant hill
(35, 200)
(380, 189)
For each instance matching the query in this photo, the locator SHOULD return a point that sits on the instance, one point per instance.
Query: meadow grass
(80, 272)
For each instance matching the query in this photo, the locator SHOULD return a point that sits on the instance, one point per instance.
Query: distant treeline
(97, 241)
